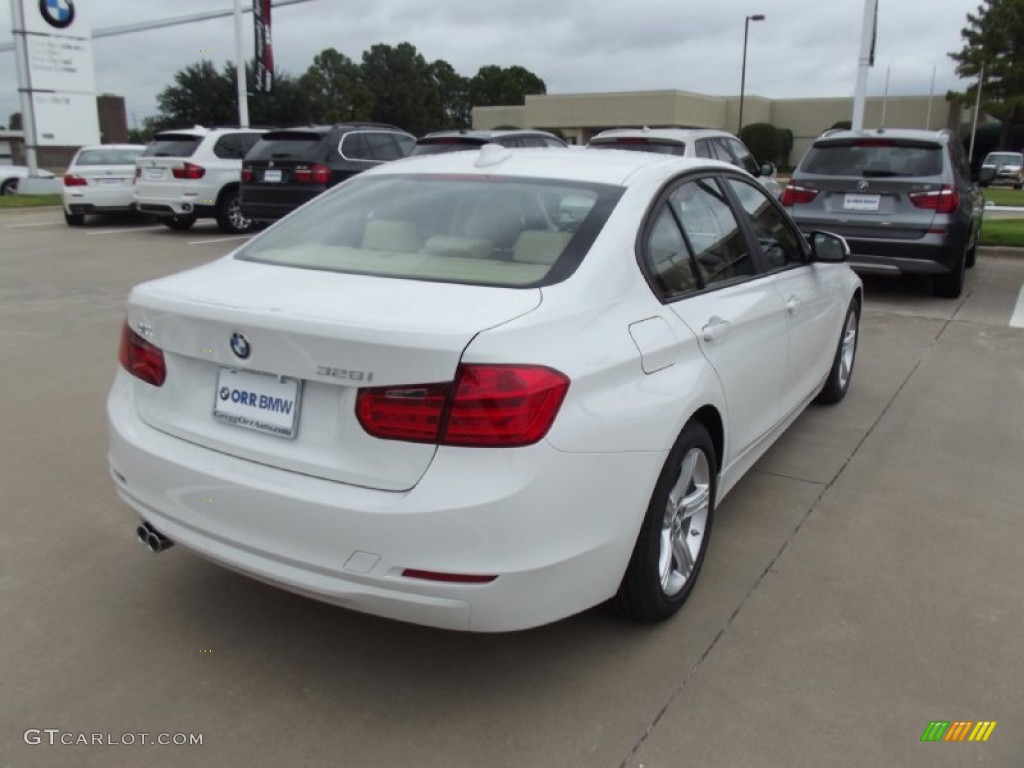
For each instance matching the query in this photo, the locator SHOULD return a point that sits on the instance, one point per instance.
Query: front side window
(719, 247)
(498, 231)
(780, 244)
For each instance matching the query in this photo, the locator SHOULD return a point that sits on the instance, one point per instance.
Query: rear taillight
(792, 195)
(315, 174)
(945, 200)
(188, 171)
(71, 180)
(246, 175)
(140, 358)
(487, 406)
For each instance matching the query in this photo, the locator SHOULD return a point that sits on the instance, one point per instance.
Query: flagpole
(865, 62)
(243, 97)
(977, 108)
(931, 95)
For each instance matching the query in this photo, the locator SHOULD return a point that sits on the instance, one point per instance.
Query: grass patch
(1005, 232)
(1004, 196)
(28, 201)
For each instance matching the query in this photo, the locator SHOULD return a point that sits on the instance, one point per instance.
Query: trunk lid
(313, 338)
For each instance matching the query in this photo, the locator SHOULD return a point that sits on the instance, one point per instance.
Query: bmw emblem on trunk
(240, 345)
(57, 13)
(862, 186)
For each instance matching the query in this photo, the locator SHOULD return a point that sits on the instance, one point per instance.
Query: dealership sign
(54, 44)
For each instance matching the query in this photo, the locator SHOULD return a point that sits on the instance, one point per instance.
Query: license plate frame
(861, 202)
(153, 174)
(269, 413)
(272, 176)
(110, 182)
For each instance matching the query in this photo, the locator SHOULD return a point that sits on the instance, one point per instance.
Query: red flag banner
(263, 77)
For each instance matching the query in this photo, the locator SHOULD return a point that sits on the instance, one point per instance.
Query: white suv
(194, 173)
(708, 143)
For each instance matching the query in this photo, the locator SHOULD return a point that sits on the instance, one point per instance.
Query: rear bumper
(556, 529)
(97, 200)
(267, 211)
(933, 254)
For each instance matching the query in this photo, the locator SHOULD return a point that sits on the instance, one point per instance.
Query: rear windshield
(640, 145)
(1004, 158)
(445, 144)
(287, 145)
(107, 156)
(497, 231)
(173, 145)
(873, 158)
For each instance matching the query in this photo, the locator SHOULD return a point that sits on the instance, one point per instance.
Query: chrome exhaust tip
(154, 540)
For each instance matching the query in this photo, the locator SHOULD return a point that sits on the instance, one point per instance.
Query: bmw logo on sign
(225, 393)
(240, 345)
(57, 13)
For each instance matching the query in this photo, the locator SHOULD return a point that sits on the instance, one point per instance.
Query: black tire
(179, 223)
(951, 285)
(972, 253)
(838, 382)
(654, 586)
(9, 187)
(230, 217)
(74, 219)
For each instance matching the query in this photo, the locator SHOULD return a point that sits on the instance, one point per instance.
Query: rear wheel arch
(711, 419)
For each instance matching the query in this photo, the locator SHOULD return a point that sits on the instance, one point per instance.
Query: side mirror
(828, 247)
(767, 169)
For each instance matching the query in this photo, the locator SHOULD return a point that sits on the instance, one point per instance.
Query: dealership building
(577, 117)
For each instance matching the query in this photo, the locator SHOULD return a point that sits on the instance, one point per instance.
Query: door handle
(715, 329)
(793, 305)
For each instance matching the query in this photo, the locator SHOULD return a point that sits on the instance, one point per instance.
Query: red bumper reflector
(456, 578)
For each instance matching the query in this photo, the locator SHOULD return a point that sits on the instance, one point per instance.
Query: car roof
(665, 134)
(112, 146)
(325, 129)
(918, 134)
(495, 134)
(556, 163)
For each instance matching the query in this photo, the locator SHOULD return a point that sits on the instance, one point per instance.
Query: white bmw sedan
(483, 390)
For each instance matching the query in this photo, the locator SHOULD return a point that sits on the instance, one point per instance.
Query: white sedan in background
(481, 390)
(11, 174)
(100, 180)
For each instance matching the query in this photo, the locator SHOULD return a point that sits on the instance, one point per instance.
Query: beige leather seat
(540, 246)
(390, 235)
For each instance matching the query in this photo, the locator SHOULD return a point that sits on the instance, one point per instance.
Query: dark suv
(288, 167)
(904, 200)
(454, 141)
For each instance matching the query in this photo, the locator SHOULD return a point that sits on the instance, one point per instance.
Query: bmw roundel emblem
(57, 13)
(862, 185)
(240, 345)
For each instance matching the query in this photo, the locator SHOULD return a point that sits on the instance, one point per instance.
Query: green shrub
(764, 140)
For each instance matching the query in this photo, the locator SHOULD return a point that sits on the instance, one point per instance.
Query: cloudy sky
(803, 48)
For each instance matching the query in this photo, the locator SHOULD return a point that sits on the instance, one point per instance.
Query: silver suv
(709, 143)
(904, 200)
(194, 173)
(1007, 166)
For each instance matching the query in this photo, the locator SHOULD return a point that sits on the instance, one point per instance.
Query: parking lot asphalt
(863, 580)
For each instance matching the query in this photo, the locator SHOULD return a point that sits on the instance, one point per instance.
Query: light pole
(743, 72)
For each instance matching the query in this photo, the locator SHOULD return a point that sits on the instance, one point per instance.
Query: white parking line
(1017, 320)
(33, 224)
(119, 231)
(217, 239)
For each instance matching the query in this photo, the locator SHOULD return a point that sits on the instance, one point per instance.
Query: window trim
(757, 257)
(363, 131)
(751, 235)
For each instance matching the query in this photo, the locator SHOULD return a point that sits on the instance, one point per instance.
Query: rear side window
(444, 144)
(107, 156)
(874, 158)
(373, 146)
(234, 146)
(640, 145)
(288, 145)
(173, 145)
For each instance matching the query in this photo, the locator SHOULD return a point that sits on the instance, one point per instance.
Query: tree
(286, 105)
(493, 86)
(453, 95)
(400, 80)
(994, 40)
(14, 121)
(763, 140)
(334, 90)
(200, 95)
